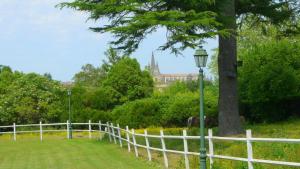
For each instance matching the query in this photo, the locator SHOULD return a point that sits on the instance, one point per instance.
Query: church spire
(154, 69)
(152, 62)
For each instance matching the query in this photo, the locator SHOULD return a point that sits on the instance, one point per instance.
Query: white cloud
(17, 16)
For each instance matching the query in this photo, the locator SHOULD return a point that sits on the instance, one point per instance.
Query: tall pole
(70, 125)
(202, 125)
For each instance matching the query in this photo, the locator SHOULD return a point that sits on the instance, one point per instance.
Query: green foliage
(7, 76)
(30, 98)
(270, 77)
(139, 113)
(113, 57)
(179, 108)
(98, 90)
(131, 21)
(183, 104)
(90, 104)
(213, 65)
(188, 22)
(171, 107)
(128, 82)
(89, 76)
(176, 87)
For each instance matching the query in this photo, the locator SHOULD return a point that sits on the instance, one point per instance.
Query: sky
(37, 37)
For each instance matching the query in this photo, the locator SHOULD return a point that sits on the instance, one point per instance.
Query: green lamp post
(201, 59)
(70, 123)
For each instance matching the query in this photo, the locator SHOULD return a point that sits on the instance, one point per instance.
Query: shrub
(170, 108)
(138, 114)
(270, 79)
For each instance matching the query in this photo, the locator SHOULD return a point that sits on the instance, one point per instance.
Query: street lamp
(70, 123)
(201, 59)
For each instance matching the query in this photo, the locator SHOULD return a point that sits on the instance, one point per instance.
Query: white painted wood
(41, 131)
(210, 138)
(15, 133)
(90, 130)
(210, 147)
(134, 143)
(68, 129)
(294, 164)
(148, 145)
(100, 131)
(249, 149)
(119, 133)
(281, 140)
(113, 133)
(109, 133)
(128, 138)
(186, 150)
(163, 146)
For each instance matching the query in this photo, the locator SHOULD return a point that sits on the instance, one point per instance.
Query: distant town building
(163, 80)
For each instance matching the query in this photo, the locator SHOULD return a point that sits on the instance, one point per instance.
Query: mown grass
(56, 152)
(262, 150)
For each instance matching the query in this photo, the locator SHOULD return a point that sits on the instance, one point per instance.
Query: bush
(128, 81)
(31, 98)
(270, 79)
(183, 105)
(172, 107)
(139, 113)
(179, 108)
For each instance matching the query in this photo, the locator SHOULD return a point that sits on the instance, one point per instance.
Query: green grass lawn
(67, 154)
(55, 152)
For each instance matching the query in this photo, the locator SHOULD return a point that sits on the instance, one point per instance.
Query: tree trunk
(229, 119)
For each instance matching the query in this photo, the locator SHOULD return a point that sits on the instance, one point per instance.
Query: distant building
(163, 80)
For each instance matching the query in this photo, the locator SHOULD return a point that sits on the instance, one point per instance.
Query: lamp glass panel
(201, 61)
(204, 61)
(197, 60)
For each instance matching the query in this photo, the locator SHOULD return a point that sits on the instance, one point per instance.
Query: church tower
(154, 68)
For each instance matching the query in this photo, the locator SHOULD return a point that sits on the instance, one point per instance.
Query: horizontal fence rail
(119, 135)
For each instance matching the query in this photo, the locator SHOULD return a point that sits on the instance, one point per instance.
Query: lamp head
(69, 92)
(201, 57)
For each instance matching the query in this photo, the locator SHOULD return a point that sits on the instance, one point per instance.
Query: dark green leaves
(187, 23)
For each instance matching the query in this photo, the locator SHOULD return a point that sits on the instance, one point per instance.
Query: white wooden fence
(123, 136)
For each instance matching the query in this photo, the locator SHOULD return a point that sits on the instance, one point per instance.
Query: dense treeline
(29, 98)
(119, 91)
(125, 94)
(122, 81)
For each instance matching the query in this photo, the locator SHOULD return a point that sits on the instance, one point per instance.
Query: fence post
(147, 144)
(90, 130)
(100, 134)
(68, 129)
(134, 143)
(211, 147)
(128, 138)
(249, 149)
(41, 131)
(109, 135)
(113, 132)
(163, 146)
(119, 133)
(186, 150)
(15, 133)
